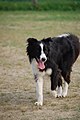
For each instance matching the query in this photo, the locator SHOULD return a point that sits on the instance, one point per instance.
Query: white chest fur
(39, 81)
(36, 70)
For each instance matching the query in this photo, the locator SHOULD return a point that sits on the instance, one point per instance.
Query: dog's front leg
(39, 91)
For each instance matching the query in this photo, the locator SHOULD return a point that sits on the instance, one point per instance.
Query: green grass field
(17, 87)
(16, 27)
(42, 5)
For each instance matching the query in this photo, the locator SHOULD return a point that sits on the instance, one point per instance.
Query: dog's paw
(59, 96)
(64, 94)
(38, 103)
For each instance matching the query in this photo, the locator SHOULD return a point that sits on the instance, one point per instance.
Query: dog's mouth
(41, 65)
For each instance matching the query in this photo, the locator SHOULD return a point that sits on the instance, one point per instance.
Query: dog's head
(37, 50)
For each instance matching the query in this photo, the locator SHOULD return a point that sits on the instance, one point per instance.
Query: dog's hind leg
(56, 81)
(66, 77)
(59, 91)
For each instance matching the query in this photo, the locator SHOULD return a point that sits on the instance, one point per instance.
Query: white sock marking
(39, 91)
(60, 91)
(65, 89)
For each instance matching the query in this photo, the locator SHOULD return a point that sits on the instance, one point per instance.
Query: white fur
(39, 83)
(65, 90)
(49, 71)
(39, 91)
(42, 53)
(63, 35)
(34, 67)
(60, 91)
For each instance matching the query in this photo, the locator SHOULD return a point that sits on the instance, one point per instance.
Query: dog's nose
(43, 59)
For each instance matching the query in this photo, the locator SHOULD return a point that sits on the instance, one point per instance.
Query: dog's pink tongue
(41, 65)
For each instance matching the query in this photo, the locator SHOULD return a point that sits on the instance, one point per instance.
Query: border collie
(55, 57)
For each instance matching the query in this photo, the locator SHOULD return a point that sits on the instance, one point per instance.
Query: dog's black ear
(47, 40)
(31, 41)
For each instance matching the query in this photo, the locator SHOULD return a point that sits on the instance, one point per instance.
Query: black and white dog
(55, 57)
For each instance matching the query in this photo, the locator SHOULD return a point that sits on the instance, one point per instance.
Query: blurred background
(19, 20)
(40, 5)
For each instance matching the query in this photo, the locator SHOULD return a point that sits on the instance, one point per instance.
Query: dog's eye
(38, 49)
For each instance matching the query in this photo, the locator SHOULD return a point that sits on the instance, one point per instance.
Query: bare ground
(17, 91)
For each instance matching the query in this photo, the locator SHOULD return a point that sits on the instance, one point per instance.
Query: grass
(16, 27)
(59, 5)
(17, 87)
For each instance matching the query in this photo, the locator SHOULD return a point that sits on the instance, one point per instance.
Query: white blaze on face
(42, 53)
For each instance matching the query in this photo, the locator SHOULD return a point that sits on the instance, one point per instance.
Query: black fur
(61, 54)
